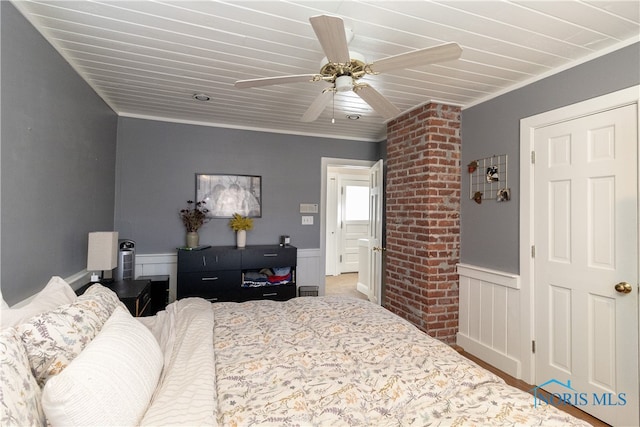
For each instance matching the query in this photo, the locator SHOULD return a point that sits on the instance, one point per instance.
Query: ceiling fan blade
(332, 37)
(378, 102)
(317, 106)
(429, 55)
(267, 81)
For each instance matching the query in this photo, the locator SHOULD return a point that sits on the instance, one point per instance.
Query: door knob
(378, 248)
(623, 287)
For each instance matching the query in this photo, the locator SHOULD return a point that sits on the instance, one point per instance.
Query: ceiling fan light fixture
(201, 97)
(344, 83)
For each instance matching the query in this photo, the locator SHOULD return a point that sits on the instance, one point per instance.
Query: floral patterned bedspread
(323, 361)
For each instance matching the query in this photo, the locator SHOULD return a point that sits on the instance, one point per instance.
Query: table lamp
(102, 254)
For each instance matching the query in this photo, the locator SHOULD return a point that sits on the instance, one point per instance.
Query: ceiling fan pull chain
(333, 110)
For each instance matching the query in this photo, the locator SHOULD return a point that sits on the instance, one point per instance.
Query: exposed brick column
(423, 219)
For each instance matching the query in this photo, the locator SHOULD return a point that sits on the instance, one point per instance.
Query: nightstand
(159, 292)
(134, 294)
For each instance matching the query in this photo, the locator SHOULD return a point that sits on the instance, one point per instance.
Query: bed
(311, 361)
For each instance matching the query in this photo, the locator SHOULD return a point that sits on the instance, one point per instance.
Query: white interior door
(354, 220)
(376, 177)
(331, 230)
(586, 242)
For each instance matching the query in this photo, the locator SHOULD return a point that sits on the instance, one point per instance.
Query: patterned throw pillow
(103, 301)
(53, 339)
(19, 392)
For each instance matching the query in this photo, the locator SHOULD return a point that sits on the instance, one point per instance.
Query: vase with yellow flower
(240, 224)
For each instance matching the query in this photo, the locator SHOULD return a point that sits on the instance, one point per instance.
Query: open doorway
(347, 212)
(345, 224)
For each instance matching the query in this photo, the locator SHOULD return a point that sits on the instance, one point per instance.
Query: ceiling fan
(343, 69)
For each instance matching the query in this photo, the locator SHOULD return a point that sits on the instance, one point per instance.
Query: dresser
(218, 273)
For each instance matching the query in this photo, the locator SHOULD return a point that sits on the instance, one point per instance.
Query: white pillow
(111, 382)
(56, 293)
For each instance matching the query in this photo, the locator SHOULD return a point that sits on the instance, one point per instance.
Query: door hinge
(533, 157)
(533, 251)
(340, 258)
(533, 346)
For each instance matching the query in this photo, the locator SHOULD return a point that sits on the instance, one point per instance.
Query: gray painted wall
(157, 163)
(489, 232)
(58, 161)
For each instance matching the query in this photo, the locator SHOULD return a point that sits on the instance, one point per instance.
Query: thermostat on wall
(308, 208)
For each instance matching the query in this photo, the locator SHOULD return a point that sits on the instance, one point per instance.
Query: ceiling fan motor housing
(344, 83)
(333, 70)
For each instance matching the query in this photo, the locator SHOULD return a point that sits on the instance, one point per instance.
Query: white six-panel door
(376, 177)
(586, 242)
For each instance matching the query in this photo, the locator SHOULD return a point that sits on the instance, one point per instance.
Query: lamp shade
(103, 250)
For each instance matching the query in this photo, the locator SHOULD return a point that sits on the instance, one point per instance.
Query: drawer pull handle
(209, 278)
(270, 294)
(212, 299)
(270, 255)
(204, 260)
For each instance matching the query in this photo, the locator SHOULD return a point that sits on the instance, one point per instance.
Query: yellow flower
(239, 222)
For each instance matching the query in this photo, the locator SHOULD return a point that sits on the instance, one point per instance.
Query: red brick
(422, 204)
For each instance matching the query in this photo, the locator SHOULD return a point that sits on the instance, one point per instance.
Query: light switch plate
(308, 208)
(307, 220)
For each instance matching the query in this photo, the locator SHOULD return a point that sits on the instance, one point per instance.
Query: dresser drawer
(277, 293)
(211, 259)
(221, 296)
(272, 256)
(205, 283)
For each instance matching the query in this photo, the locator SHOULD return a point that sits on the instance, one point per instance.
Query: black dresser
(219, 272)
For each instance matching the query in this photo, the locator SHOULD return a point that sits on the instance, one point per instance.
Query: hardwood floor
(526, 387)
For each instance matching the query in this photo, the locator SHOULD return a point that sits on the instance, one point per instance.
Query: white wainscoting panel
(489, 317)
(308, 269)
(159, 265)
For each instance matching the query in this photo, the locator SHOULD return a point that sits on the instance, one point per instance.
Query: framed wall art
(225, 195)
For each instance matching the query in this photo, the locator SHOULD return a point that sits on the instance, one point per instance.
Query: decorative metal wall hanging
(488, 179)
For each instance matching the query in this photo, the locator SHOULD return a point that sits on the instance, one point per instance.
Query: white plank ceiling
(148, 58)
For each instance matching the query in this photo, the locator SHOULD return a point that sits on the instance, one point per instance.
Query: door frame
(528, 126)
(325, 163)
